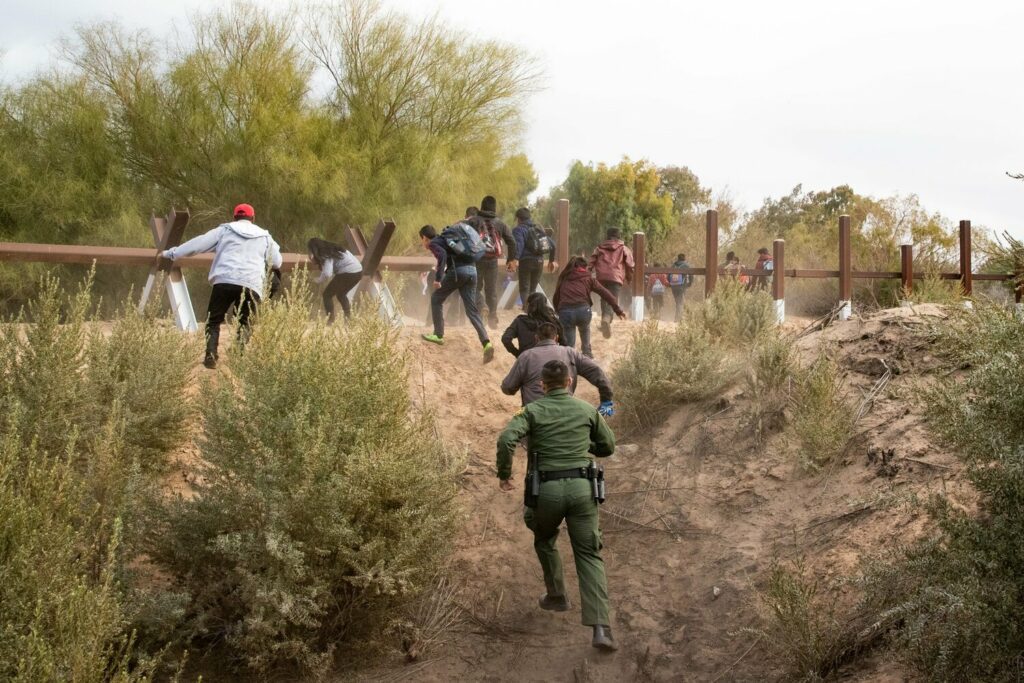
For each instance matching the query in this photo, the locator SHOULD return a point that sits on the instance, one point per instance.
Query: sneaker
(433, 339)
(493, 322)
(554, 603)
(603, 639)
(488, 352)
(210, 361)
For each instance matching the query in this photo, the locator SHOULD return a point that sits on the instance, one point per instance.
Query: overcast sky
(895, 96)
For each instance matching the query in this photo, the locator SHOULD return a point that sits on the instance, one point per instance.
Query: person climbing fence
(340, 269)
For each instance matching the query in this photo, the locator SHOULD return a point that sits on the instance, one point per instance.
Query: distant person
(524, 328)
(340, 269)
(532, 245)
(242, 253)
(454, 273)
(498, 243)
(657, 285)
(679, 283)
(764, 262)
(525, 375)
(612, 263)
(563, 484)
(732, 266)
(573, 302)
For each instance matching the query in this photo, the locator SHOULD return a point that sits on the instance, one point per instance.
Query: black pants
(607, 312)
(222, 298)
(339, 287)
(529, 278)
(463, 281)
(487, 288)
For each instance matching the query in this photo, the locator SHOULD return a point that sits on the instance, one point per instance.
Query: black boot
(554, 603)
(603, 639)
(212, 342)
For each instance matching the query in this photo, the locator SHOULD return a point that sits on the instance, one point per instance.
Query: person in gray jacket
(340, 269)
(525, 375)
(242, 253)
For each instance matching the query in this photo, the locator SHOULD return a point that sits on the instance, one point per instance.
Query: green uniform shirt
(563, 432)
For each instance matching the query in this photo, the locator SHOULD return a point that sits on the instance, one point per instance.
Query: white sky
(893, 96)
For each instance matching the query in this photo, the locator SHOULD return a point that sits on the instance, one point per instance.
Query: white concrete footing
(845, 310)
(780, 311)
(638, 308)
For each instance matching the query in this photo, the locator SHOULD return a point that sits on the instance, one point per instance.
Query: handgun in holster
(531, 488)
(595, 473)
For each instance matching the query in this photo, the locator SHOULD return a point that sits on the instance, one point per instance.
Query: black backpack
(537, 241)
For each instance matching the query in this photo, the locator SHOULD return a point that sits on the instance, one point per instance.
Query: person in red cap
(242, 252)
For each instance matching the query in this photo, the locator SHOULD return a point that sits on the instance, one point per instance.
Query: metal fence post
(711, 253)
(639, 272)
(906, 273)
(845, 270)
(779, 279)
(966, 276)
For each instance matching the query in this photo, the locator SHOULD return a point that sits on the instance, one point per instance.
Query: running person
(524, 328)
(573, 303)
(340, 269)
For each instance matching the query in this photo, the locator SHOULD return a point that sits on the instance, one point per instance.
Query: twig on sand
(733, 665)
(407, 673)
(929, 464)
(838, 518)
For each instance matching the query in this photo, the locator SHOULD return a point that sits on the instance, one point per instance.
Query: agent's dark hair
(613, 234)
(428, 231)
(522, 214)
(323, 251)
(471, 211)
(680, 257)
(555, 373)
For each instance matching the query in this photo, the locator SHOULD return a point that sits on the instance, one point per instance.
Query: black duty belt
(574, 473)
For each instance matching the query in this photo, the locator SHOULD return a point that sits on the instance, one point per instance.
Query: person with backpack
(532, 245)
(679, 283)
(340, 269)
(498, 243)
(524, 328)
(457, 250)
(563, 484)
(612, 263)
(242, 253)
(657, 285)
(764, 262)
(573, 302)
(525, 374)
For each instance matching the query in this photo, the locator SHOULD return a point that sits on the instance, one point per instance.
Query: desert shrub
(959, 592)
(324, 504)
(666, 367)
(932, 289)
(733, 316)
(768, 382)
(805, 630)
(64, 617)
(822, 420)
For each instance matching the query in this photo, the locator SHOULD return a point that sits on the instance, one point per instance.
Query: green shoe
(433, 339)
(488, 352)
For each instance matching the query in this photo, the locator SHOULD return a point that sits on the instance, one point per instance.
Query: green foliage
(324, 504)
(1007, 256)
(735, 317)
(801, 627)
(932, 289)
(958, 595)
(667, 367)
(822, 419)
(769, 383)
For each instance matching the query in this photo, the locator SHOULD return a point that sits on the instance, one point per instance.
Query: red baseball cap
(244, 211)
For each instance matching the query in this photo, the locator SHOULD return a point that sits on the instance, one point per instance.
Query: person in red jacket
(764, 262)
(573, 303)
(657, 285)
(612, 263)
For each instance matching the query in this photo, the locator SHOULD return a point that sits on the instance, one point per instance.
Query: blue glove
(607, 408)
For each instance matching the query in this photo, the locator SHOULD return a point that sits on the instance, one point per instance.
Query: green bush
(733, 316)
(959, 593)
(822, 419)
(325, 504)
(769, 382)
(666, 367)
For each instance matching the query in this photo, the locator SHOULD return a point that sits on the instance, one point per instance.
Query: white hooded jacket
(243, 252)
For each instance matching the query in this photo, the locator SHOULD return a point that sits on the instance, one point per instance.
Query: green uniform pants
(571, 500)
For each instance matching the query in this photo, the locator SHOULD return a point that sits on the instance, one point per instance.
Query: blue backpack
(463, 241)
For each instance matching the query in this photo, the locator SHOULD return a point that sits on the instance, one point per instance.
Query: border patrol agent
(562, 483)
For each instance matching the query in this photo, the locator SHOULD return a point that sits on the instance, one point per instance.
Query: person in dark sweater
(528, 236)
(524, 327)
(453, 274)
(500, 243)
(573, 303)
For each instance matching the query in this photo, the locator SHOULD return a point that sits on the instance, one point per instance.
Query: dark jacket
(446, 259)
(576, 288)
(479, 223)
(687, 279)
(523, 328)
(520, 232)
(612, 261)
